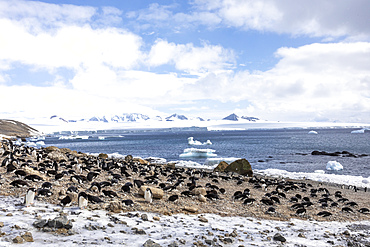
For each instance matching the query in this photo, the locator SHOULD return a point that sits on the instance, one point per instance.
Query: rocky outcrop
(221, 167)
(241, 166)
(12, 128)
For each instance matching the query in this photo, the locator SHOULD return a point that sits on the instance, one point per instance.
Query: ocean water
(284, 149)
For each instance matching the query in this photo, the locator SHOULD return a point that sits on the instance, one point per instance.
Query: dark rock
(40, 223)
(151, 243)
(144, 217)
(241, 166)
(279, 237)
(60, 222)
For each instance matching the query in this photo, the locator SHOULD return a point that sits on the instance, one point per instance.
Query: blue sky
(289, 60)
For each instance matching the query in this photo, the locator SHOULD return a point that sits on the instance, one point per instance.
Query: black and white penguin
(66, 201)
(82, 200)
(30, 197)
(148, 195)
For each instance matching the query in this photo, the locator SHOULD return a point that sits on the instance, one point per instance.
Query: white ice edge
(358, 181)
(164, 231)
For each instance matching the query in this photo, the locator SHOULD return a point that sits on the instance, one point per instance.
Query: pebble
(27, 236)
(202, 219)
(144, 217)
(18, 240)
(279, 237)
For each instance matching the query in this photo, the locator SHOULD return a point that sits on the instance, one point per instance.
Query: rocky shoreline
(119, 183)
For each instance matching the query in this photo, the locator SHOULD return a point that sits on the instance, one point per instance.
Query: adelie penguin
(148, 196)
(82, 200)
(30, 197)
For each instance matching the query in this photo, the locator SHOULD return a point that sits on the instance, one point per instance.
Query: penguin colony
(90, 182)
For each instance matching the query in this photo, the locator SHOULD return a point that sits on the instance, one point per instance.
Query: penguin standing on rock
(82, 200)
(30, 197)
(148, 195)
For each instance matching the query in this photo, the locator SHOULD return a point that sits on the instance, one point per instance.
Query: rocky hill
(12, 128)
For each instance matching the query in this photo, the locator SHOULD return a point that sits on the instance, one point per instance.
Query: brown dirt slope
(14, 128)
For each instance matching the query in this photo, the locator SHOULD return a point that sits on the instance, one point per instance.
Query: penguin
(109, 193)
(19, 183)
(128, 202)
(148, 196)
(66, 201)
(46, 185)
(324, 214)
(30, 197)
(44, 193)
(173, 198)
(82, 200)
(364, 210)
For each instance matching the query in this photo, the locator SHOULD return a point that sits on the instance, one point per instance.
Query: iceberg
(198, 153)
(191, 141)
(361, 131)
(73, 137)
(312, 132)
(334, 166)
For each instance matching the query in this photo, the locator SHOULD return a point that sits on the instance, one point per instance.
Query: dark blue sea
(285, 149)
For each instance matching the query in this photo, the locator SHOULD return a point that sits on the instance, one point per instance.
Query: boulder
(18, 240)
(103, 156)
(200, 191)
(128, 158)
(240, 166)
(151, 243)
(27, 236)
(141, 161)
(57, 156)
(60, 222)
(51, 149)
(115, 207)
(191, 209)
(221, 167)
(157, 193)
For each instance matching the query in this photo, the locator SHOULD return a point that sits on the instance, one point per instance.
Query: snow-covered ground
(97, 228)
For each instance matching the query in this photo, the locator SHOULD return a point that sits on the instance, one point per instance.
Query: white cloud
(309, 81)
(297, 17)
(189, 58)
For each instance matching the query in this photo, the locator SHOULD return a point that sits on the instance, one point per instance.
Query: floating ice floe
(191, 141)
(361, 131)
(198, 153)
(334, 166)
(312, 132)
(319, 171)
(73, 137)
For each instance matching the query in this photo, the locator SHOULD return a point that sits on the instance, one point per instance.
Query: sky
(286, 60)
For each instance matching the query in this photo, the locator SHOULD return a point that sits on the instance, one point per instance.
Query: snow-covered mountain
(131, 117)
(127, 117)
(234, 117)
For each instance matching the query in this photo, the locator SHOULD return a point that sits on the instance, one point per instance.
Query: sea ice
(198, 153)
(334, 166)
(191, 141)
(312, 132)
(361, 131)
